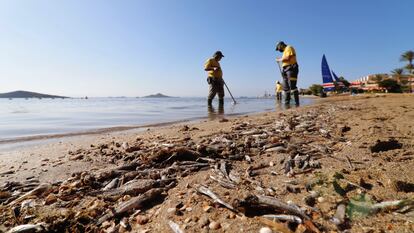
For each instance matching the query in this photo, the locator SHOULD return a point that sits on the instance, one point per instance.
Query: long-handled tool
(280, 69)
(234, 101)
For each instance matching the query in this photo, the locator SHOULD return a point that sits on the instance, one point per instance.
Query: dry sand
(348, 127)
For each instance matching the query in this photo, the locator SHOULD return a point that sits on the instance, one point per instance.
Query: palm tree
(409, 57)
(397, 73)
(378, 78)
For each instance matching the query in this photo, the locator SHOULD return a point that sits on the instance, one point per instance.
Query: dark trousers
(216, 86)
(290, 78)
(279, 96)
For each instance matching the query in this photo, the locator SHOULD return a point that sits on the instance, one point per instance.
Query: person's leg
(286, 87)
(220, 92)
(295, 91)
(211, 93)
(293, 77)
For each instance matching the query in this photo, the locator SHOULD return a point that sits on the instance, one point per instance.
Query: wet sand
(343, 132)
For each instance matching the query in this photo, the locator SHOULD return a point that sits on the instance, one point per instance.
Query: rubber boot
(296, 96)
(221, 102)
(287, 97)
(221, 106)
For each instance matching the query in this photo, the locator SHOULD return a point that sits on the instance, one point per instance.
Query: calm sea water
(34, 117)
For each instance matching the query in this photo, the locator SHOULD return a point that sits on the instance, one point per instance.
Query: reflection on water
(32, 117)
(213, 115)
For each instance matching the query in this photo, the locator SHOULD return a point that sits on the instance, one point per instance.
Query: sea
(28, 119)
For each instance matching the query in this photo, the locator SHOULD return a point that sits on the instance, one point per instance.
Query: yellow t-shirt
(279, 87)
(211, 63)
(291, 53)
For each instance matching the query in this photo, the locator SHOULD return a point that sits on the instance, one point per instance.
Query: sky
(140, 47)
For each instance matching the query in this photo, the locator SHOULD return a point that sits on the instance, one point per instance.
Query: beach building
(406, 81)
(370, 82)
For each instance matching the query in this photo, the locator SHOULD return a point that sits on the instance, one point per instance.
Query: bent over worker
(279, 89)
(215, 78)
(290, 71)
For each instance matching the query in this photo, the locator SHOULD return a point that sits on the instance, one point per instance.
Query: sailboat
(328, 82)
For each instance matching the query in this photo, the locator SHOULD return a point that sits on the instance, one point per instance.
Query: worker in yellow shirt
(215, 78)
(290, 71)
(279, 90)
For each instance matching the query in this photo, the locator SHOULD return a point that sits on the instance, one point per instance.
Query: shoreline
(109, 129)
(46, 137)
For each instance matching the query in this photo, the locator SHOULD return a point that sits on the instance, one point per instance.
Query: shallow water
(34, 117)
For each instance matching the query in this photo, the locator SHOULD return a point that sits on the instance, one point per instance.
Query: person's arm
(286, 55)
(211, 68)
(284, 59)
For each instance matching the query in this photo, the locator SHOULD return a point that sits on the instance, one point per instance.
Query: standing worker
(279, 90)
(290, 71)
(215, 78)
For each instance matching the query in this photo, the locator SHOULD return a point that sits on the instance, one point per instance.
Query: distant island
(28, 94)
(158, 95)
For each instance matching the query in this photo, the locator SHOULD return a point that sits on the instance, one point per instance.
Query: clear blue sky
(140, 47)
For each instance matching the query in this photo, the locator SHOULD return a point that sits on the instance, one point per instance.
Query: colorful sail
(340, 84)
(328, 83)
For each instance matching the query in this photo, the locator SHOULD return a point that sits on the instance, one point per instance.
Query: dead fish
(272, 145)
(234, 176)
(125, 145)
(252, 132)
(111, 185)
(271, 201)
(224, 183)
(248, 159)
(30, 203)
(133, 203)
(339, 217)
(175, 227)
(223, 169)
(279, 149)
(204, 190)
(43, 188)
(27, 228)
(133, 188)
(284, 217)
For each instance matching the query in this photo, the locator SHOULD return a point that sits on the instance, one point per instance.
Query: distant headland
(158, 95)
(28, 94)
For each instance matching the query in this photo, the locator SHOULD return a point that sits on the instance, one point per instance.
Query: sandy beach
(322, 159)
